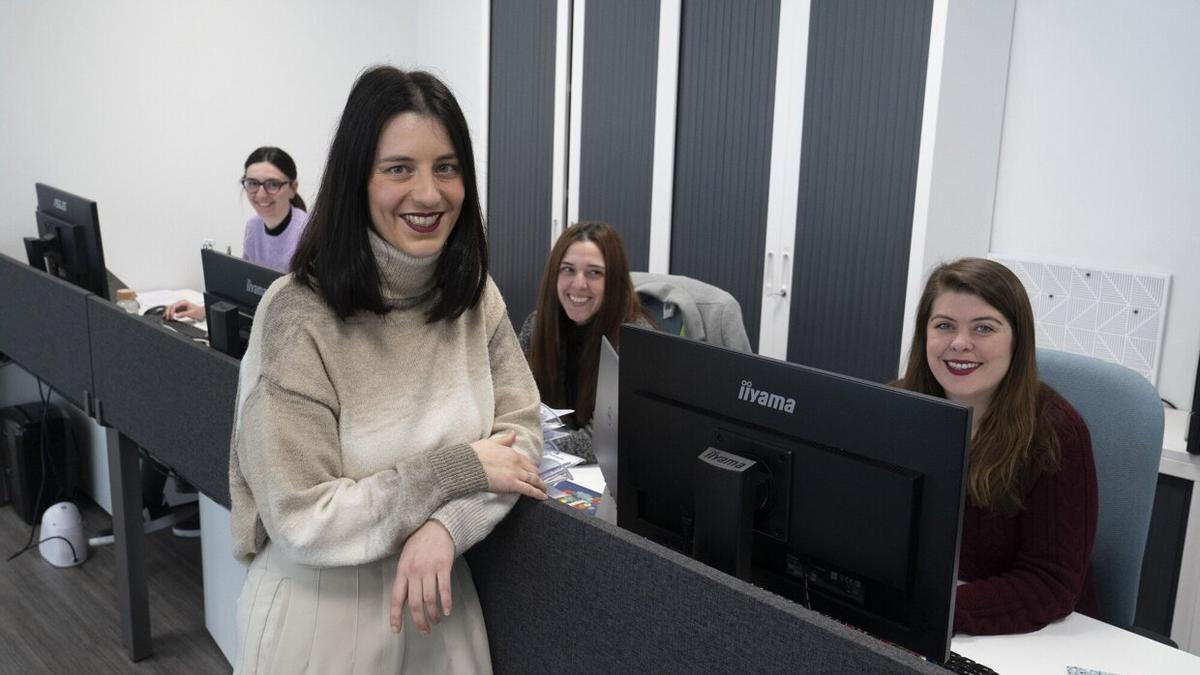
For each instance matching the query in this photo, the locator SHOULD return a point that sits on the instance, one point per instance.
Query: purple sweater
(273, 250)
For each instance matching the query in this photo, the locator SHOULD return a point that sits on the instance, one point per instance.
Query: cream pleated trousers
(297, 619)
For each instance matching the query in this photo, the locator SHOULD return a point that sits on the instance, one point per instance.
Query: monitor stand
(224, 331)
(35, 251)
(726, 492)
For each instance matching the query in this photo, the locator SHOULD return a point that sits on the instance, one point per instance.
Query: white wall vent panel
(1115, 315)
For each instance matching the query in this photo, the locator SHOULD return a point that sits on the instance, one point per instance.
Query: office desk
(1077, 640)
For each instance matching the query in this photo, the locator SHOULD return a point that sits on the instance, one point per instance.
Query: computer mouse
(156, 310)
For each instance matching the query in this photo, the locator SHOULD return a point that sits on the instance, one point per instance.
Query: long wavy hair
(334, 256)
(1015, 441)
(620, 305)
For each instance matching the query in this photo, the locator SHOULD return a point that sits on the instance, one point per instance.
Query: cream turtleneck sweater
(350, 434)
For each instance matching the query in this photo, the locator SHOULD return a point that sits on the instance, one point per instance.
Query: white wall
(961, 129)
(1100, 160)
(150, 108)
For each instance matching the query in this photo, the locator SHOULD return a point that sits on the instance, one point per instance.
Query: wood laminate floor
(66, 620)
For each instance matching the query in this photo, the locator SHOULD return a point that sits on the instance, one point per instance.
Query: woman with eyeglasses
(273, 233)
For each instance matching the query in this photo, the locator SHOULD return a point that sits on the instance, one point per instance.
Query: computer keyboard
(187, 329)
(957, 663)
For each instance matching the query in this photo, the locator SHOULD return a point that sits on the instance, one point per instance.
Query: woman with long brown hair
(585, 294)
(1030, 517)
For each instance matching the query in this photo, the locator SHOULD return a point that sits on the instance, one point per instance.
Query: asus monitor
(68, 244)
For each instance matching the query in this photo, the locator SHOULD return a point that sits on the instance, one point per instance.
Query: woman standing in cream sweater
(386, 419)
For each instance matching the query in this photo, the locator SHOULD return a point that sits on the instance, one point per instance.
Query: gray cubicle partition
(44, 328)
(171, 396)
(563, 591)
(159, 391)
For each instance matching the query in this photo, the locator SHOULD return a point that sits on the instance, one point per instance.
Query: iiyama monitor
(839, 493)
(232, 289)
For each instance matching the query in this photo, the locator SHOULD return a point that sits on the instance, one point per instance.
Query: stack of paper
(555, 463)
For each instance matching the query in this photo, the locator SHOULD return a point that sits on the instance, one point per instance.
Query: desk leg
(130, 540)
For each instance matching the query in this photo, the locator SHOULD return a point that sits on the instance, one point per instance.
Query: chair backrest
(1125, 418)
(692, 308)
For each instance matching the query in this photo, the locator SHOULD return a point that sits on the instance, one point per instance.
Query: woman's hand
(183, 309)
(508, 470)
(422, 574)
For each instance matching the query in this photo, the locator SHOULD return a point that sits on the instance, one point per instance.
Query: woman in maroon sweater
(1030, 516)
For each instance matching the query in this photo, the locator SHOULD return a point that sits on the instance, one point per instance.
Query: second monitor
(842, 494)
(68, 243)
(232, 289)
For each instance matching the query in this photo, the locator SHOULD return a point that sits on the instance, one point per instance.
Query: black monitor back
(232, 290)
(861, 511)
(75, 223)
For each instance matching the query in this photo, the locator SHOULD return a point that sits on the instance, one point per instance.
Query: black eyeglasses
(251, 185)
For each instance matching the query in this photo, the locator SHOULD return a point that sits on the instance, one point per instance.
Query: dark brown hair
(334, 256)
(619, 305)
(1015, 441)
(279, 159)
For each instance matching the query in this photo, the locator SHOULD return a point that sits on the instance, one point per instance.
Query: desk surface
(1077, 640)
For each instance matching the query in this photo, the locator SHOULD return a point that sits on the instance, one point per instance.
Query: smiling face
(416, 189)
(969, 346)
(581, 281)
(272, 208)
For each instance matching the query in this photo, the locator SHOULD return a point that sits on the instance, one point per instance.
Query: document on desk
(553, 428)
(148, 299)
(555, 463)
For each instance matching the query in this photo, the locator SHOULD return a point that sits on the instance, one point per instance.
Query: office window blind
(858, 171)
(616, 165)
(726, 105)
(520, 147)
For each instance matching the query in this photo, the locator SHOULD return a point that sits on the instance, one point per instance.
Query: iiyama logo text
(747, 392)
(254, 288)
(725, 460)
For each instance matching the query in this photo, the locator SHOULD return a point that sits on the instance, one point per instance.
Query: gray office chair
(692, 308)
(1125, 417)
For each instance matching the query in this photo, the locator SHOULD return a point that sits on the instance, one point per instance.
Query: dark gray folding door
(616, 153)
(726, 104)
(520, 147)
(858, 172)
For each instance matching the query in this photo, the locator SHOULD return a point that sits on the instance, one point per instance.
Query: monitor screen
(68, 242)
(232, 289)
(842, 494)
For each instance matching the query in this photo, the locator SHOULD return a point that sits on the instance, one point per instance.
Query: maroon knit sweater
(1029, 568)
